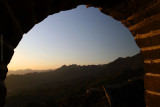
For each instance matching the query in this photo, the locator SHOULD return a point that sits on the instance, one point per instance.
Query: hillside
(67, 85)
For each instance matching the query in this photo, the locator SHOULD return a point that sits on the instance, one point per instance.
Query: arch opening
(93, 28)
(80, 40)
(142, 18)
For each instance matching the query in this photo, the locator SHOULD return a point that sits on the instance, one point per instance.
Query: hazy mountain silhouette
(67, 85)
(25, 71)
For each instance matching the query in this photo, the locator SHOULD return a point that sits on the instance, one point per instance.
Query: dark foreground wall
(140, 16)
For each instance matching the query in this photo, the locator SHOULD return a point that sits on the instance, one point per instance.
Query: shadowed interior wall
(140, 16)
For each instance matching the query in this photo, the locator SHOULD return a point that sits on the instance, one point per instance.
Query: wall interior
(142, 17)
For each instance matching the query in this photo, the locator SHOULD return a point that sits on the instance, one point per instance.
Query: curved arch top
(140, 16)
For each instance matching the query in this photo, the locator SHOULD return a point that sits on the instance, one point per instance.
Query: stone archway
(141, 17)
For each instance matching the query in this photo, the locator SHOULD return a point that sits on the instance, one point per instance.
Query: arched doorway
(142, 19)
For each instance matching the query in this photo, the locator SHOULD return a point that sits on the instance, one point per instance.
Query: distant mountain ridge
(65, 81)
(25, 71)
(133, 63)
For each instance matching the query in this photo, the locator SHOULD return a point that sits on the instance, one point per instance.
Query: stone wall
(145, 27)
(142, 17)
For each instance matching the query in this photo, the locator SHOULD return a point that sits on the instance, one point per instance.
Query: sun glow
(82, 36)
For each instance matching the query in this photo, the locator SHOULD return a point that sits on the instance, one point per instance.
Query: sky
(82, 36)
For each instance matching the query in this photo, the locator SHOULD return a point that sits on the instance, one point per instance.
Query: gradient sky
(79, 36)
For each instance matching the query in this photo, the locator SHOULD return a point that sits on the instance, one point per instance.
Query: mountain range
(67, 85)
